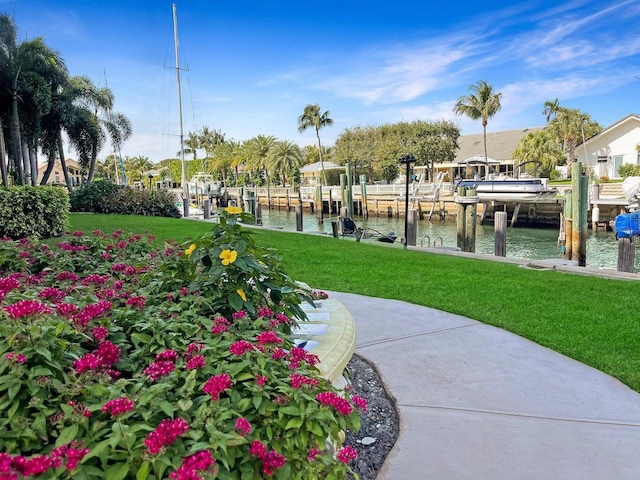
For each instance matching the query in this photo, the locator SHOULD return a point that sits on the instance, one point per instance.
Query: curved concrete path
(477, 402)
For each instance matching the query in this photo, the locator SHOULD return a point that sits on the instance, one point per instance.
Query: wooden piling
(363, 193)
(460, 222)
(568, 225)
(207, 209)
(500, 225)
(412, 227)
(579, 184)
(258, 213)
(299, 217)
(334, 229)
(471, 213)
(349, 176)
(318, 202)
(626, 254)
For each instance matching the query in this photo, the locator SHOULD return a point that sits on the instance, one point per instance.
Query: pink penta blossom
(16, 357)
(239, 315)
(159, 369)
(99, 333)
(271, 460)
(165, 434)
(243, 426)
(70, 455)
(26, 308)
(118, 406)
(80, 409)
(137, 301)
(217, 384)
(67, 277)
(265, 312)
(195, 362)
(346, 454)
(313, 453)
(109, 353)
(298, 381)
(332, 399)
(257, 449)
(167, 355)
(194, 465)
(8, 283)
(269, 337)
(261, 380)
(240, 347)
(89, 362)
(66, 309)
(359, 402)
(220, 325)
(54, 294)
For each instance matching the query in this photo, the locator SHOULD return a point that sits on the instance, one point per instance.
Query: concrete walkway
(477, 402)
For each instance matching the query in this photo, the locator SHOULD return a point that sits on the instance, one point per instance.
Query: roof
(605, 131)
(316, 167)
(500, 145)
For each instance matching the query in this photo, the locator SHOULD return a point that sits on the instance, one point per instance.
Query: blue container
(627, 225)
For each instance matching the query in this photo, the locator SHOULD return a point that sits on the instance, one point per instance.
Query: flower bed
(119, 360)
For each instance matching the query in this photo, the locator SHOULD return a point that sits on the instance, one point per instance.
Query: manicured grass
(592, 320)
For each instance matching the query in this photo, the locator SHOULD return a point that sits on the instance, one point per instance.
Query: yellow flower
(190, 250)
(233, 210)
(242, 295)
(228, 256)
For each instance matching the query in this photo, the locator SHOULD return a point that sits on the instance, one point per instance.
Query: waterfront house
(613, 147)
(57, 177)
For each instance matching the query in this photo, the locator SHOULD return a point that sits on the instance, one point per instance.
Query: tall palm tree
(570, 127)
(99, 102)
(311, 117)
(480, 104)
(551, 109)
(27, 72)
(207, 141)
(191, 144)
(286, 157)
(258, 150)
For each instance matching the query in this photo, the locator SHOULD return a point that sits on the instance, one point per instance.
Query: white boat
(508, 189)
(204, 184)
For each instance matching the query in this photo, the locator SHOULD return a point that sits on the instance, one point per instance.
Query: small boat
(508, 189)
(349, 229)
(203, 183)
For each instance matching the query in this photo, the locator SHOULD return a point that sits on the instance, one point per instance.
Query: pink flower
(137, 302)
(167, 355)
(165, 434)
(346, 454)
(109, 353)
(193, 349)
(261, 380)
(240, 347)
(26, 308)
(217, 384)
(195, 362)
(271, 461)
(159, 369)
(258, 449)
(239, 315)
(67, 276)
(265, 312)
(66, 309)
(16, 357)
(71, 454)
(269, 338)
(89, 362)
(100, 333)
(118, 406)
(80, 409)
(7, 284)
(359, 402)
(298, 381)
(313, 453)
(334, 400)
(220, 325)
(193, 465)
(243, 426)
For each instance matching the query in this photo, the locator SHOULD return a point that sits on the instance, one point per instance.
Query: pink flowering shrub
(120, 360)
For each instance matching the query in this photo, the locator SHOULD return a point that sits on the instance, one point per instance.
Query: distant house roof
(500, 145)
(605, 131)
(316, 167)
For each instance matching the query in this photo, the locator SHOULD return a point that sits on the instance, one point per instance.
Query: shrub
(116, 363)
(629, 170)
(33, 211)
(92, 197)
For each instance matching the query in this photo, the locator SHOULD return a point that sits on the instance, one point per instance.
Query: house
(613, 147)
(57, 177)
(312, 173)
(469, 158)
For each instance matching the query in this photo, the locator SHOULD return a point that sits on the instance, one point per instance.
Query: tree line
(40, 101)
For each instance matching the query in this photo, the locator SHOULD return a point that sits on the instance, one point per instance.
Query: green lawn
(590, 319)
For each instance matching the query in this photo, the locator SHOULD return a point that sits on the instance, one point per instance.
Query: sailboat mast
(175, 38)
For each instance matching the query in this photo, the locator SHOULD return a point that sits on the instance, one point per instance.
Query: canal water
(524, 243)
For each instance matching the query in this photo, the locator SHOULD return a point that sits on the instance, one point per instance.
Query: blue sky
(254, 65)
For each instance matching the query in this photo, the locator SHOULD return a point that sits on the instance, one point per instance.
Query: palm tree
(286, 157)
(258, 150)
(96, 105)
(481, 103)
(311, 117)
(27, 72)
(570, 127)
(551, 109)
(191, 143)
(207, 141)
(538, 146)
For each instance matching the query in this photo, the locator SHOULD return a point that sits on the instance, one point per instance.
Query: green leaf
(236, 301)
(97, 450)
(167, 408)
(257, 401)
(118, 471)
(143, 471)
(142, 337)
(184, 404)
(294, 423)
(67, 435)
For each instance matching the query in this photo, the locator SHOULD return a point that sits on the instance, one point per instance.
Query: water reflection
(525, 243)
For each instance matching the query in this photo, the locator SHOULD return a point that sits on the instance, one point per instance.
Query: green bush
(629, 170)
(91, 197)
(104, 196)
(117, 363)
(155, 203)
(33, 211)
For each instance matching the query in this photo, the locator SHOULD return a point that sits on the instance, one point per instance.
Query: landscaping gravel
(379, 426)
